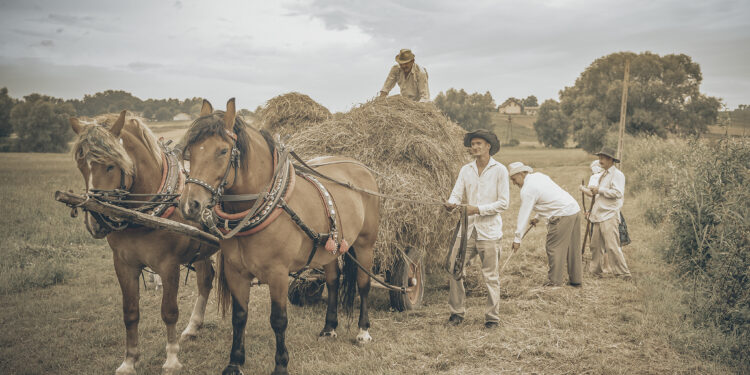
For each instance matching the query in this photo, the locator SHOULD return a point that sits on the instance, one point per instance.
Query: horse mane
(213, 124)
(96, 143)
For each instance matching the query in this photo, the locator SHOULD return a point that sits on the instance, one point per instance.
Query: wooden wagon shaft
(137, 217)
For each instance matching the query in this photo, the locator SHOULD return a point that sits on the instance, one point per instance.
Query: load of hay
(289, 112)
(416, 153)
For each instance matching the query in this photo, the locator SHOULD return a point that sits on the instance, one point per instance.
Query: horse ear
(206, 108)
(76, 125)
(229, 116)
(117, 127)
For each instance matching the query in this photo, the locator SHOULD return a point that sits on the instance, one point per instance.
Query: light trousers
(605, 242)
(564, 247)
(488, 252)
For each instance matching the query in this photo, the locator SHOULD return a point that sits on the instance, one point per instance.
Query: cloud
(140, 66)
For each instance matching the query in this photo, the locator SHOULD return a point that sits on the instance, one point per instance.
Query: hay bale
(291, 112)
(416, 153)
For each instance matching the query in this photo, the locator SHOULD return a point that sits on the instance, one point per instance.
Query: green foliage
(552, 126)
(740, 117)
(6, 105)
(113, 101)
(530, 101)
(163, 114)
(41, 123)
(663, 96)
(471, 111)
(707, 204)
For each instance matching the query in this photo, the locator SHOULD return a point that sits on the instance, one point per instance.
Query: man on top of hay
(483, 185)
(605, 215)
(542, 195)
(411, 78)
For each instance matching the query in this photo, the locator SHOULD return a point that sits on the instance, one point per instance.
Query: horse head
(211, 146)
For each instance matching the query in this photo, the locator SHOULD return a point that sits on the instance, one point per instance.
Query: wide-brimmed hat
(518, 167)
(485, 134)
(606, 151)
(404, 56)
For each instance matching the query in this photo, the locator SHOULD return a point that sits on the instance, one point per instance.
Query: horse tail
(348, 290)
(223, 294)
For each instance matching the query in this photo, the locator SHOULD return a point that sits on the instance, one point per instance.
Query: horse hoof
(232, 370)
(126, 368)
(187, 336)
(363, 337)
(280, 371)
(328, 334)
(171, 371)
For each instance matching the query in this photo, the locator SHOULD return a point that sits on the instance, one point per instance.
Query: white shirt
(539, 193)
(609, 200)
(490, 192)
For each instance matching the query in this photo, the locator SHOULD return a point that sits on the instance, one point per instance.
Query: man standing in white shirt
(542, 195)
(605, 215)
(483, 186)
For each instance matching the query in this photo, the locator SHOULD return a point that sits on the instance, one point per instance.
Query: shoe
(455, 319)
(576, 285)
(491, 325)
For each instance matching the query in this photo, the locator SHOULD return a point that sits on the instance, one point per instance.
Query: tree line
(40, 122)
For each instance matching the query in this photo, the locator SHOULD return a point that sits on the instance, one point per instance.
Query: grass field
(61, 314)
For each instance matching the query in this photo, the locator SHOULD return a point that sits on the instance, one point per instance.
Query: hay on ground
(291, 112)
(416, 153)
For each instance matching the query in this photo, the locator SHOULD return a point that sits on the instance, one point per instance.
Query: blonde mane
(96, 143)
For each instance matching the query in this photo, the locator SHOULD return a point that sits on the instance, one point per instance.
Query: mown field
(61, 313)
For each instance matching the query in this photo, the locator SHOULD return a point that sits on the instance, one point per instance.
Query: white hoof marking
(329, 335)
(364, 336)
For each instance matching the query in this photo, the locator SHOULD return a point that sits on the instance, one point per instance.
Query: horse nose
(191, 209)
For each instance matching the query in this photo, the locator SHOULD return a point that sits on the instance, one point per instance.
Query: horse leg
(169, 314)
(332, 284)
(205, 274)
(365, 257)
(128, 278)
(278, 285)
(239, 288)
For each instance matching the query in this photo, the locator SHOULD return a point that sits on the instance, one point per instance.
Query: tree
(163, 114)
(530, 101)
(470, 111)
(663, 97)
(6, 105)
(41, 123)
(552, 126)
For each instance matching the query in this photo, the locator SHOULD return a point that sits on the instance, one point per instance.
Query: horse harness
(161, 204)
(269, 204)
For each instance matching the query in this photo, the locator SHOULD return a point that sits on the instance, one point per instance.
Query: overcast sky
(339, 52)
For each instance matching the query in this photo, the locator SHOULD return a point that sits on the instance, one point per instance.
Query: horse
(288, 221)
(128, 157)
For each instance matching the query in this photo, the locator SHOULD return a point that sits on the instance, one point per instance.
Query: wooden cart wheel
(408, 275)
(306, 292)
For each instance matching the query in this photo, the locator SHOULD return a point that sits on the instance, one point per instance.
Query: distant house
(181, 117)
(511, 107)
(531, 111)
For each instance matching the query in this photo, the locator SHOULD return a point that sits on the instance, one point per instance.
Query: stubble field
(61, 313)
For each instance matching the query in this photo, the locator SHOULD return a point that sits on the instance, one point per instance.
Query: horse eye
(110, 168)
(224, 151)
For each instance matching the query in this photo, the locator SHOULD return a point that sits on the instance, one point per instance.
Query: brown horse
(227, 155)
(127, 156)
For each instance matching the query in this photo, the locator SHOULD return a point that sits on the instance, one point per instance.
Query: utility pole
(510, 128)
(623, 109)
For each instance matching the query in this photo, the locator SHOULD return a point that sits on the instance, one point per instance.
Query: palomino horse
(128, 157)
(284, 229)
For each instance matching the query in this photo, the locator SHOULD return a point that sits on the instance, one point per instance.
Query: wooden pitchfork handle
(512, 252)
(589, 224)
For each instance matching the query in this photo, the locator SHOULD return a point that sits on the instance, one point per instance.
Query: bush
(708, 208)
(551, 126)
(41, 123)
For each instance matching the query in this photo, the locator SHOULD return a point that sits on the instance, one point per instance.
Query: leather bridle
(218, 191)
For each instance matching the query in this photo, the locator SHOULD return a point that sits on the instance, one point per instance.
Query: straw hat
(518, 167)
(404, 56)
(485, 134)
(606, 151)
